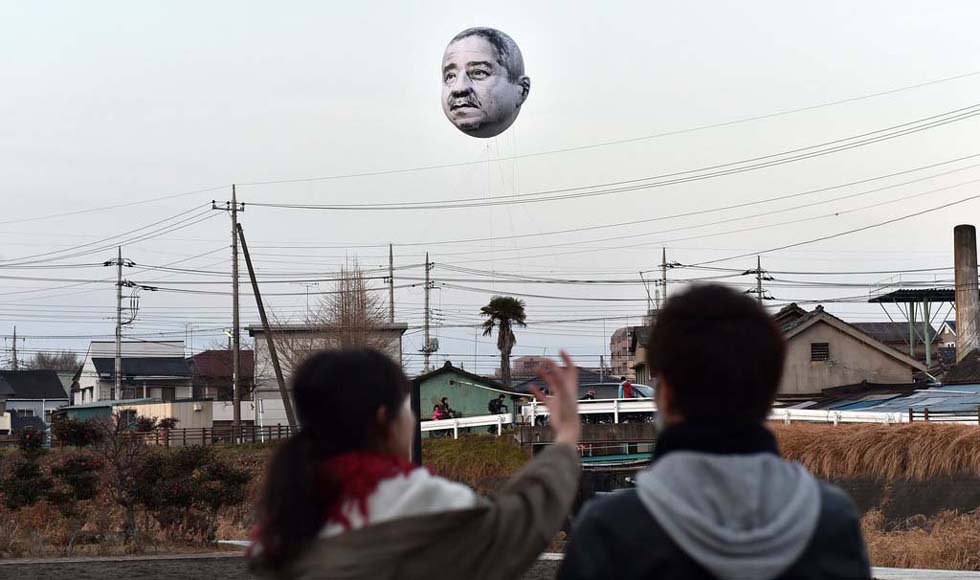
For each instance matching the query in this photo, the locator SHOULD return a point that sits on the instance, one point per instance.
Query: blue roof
(947, 398)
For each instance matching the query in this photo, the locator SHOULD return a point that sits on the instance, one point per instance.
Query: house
(294, 343)
(896, 335)
(32, 397)
(625, 346)
(211, 372)
(638, 348)
(947, 334)
(523, 367)
(468, 393)
(5, 421)
(824, 351)
(150, 370)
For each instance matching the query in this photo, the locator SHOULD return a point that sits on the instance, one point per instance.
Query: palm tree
(503, 312)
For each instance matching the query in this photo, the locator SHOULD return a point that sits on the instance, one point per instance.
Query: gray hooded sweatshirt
(742, 517)
(719, 503)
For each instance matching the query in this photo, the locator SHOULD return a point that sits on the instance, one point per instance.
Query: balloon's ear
(525, 83)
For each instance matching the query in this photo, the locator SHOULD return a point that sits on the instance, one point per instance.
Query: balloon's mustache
(463, 99)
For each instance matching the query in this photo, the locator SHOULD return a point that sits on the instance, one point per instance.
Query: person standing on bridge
(717, 502)
(625, 388)
(341, 499)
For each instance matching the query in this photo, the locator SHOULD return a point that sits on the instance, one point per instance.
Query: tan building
(523, 367)
(295, 342)
(823, 351)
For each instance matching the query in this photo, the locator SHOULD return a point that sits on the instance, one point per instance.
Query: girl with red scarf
(342, 500)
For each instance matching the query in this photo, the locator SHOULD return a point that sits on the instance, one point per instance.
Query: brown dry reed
(914, 450)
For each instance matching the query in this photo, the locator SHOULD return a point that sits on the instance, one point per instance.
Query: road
(231, 566)
(193, 567)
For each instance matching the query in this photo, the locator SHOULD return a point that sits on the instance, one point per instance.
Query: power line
(621, 141)
(698, 174)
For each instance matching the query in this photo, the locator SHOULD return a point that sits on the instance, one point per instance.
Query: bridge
(618, 411)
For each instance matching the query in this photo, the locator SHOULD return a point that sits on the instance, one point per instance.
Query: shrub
(25, 484)
(145, 424)
(185, 488)
(30, 441)
(75, 433)
(168, 423)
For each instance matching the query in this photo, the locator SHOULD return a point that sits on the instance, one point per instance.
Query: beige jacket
(498, 538)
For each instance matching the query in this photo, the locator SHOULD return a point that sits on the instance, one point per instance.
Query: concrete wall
(851, 361)
(388, 341)
(189, 414)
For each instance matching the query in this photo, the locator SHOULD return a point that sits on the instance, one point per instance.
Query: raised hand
(562, 406)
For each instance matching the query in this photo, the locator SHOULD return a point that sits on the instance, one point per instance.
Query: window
(819, 351)
(128, 418)
(23, 412)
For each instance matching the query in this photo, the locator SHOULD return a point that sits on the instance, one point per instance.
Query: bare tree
(346, 316)
(65, 360)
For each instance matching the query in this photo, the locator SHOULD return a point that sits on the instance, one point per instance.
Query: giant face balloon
(483, 82)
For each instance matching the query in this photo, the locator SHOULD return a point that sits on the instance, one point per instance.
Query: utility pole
(760, 276)
(270, 342)
(391, 283)
(236, 371)
(118, 364)
(426, 351)
(13, 351)
(663, 274)
(119, 262)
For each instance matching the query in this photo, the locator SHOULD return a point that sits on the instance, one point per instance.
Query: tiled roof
(889, 332)
(33, 385)
(145, 367)
(217, 363)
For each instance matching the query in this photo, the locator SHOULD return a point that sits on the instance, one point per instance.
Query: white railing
(614, 407)
(836, 417)
(455, 425)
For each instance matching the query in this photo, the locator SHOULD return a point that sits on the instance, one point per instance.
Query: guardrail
(835, 417)
(455, 425)
(614, 407)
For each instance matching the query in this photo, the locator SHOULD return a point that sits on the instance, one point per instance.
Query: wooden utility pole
(286, 401)
(236, 369)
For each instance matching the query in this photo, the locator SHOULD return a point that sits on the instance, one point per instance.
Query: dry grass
(915, 451)
(949, 541)
(478, 461)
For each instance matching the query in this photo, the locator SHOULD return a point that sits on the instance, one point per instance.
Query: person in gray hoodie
(718, 502)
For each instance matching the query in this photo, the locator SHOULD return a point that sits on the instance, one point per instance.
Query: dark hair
(508, 54)
(622, 378)
(719, 351)
(337, 394)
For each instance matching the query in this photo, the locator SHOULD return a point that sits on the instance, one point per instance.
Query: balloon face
(483, 82)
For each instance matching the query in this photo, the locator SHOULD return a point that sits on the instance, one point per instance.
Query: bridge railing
(835, 417)
(614, 407)
(455, 425)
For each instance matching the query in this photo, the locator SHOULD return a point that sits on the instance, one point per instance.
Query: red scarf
(359, 473)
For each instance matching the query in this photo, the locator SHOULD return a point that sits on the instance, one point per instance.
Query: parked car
(611, 391)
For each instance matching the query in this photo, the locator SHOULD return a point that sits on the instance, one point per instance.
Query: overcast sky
(109, 103)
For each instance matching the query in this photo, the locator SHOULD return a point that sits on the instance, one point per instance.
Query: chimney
(967, 290)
